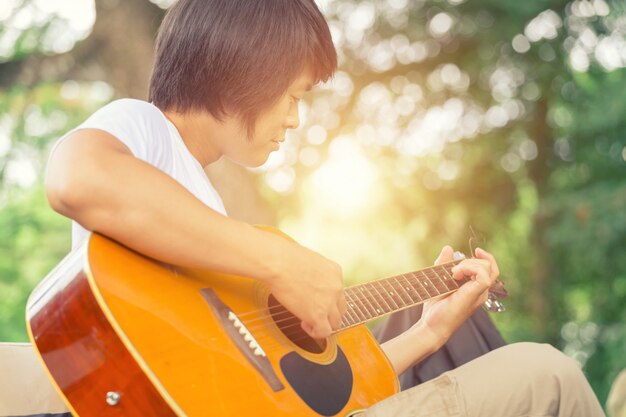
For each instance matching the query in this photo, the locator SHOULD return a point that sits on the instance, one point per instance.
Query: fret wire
(348, 316)
(420, 298)
(371, 299)
(420, 288)
(361, 303)
(380, 310)
(351, 307)
(437, 272)
(345, 322)
(350, 310)
(434, 281)
(360, 288)
(362, 307)
(355, 307)
(383, 295)
(397, 279)
(363, 300)
(426, 288)
(391, 293)
(437, 282)
(449, 280)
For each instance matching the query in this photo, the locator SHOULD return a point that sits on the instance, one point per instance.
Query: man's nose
(293, 118)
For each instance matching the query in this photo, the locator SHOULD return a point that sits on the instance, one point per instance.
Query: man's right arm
(94, 179)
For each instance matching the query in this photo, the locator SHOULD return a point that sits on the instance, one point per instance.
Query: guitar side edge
(37, 300)
(87, 361)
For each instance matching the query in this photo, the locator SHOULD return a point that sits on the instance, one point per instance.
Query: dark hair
(237, 56)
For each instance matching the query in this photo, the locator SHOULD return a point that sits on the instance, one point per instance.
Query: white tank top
(151, 137)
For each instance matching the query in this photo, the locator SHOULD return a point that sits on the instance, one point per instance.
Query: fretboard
(385, 296)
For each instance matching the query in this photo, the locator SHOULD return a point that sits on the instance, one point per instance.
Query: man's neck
(198, 131)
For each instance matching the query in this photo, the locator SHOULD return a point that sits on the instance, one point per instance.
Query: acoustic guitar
(124, 335)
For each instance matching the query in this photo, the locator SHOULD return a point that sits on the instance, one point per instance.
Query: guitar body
(124, 335)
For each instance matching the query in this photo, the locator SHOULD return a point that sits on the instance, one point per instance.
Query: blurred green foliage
(507, 116)
(32, 241)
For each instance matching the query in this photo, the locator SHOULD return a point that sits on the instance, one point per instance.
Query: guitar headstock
(497, 292)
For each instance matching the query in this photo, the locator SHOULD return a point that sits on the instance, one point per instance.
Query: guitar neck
(379, 298)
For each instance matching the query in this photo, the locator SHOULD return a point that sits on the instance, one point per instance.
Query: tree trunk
(540, 269)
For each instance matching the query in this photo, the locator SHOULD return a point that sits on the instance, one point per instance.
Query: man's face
(270, 128)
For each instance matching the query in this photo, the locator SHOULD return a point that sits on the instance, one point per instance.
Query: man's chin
(252, 162)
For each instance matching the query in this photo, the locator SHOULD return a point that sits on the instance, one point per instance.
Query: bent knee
(544, 361)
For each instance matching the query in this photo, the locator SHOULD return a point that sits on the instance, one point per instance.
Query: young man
(227, 79)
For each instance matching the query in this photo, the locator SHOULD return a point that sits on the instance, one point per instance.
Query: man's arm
(94, 179)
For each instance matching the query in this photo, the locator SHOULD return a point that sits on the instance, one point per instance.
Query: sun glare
(343, 184)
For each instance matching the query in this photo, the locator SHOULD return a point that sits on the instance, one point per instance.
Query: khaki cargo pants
(517, 380)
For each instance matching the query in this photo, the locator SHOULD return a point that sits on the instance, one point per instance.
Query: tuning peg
(496, 292)
(493, 305)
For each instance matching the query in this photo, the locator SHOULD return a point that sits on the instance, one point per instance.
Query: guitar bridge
(247, 336)
(242, 338)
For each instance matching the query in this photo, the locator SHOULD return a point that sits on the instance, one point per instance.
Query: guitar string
(451, 263)
(302, 335)
(373, 311)
(281, 307)
(373, 298)
(273, 312)
(268, 340)
(411, 276)
(251, 324)
(292, 317)
(373, 314)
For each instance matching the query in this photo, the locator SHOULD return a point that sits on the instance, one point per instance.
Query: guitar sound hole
(289, 325)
